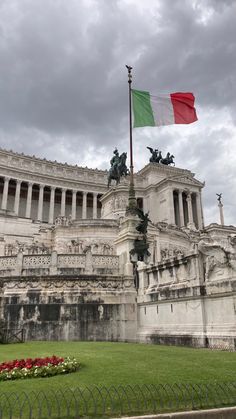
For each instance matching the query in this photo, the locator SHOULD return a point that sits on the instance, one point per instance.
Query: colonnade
(187, 209)
(53, 192)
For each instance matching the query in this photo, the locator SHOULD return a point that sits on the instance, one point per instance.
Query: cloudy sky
(64, 91)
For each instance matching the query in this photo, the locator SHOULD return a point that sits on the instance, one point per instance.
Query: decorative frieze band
(54, 264)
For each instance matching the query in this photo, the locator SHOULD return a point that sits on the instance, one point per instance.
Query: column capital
(6, 178)
(74, 191)
(64, 189)
(52, 188)
(41, 186)
(30, 184)
(85, 192)
(18, 181)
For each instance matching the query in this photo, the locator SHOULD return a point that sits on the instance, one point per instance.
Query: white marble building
(65, 265)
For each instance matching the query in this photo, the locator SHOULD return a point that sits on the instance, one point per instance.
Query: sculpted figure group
(157, 157)
(118, 163)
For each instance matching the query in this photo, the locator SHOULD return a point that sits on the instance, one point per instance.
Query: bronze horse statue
(118, 170)
(168, 159)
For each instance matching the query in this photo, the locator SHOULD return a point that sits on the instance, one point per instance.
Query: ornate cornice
(162, 168)
(16, 163)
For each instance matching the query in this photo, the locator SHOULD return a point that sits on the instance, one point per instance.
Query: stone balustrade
(58, 264)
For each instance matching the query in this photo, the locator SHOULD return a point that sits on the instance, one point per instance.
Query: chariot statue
(156, 157)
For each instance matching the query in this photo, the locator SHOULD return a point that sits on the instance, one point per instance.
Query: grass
(106, 363)
(112, 364)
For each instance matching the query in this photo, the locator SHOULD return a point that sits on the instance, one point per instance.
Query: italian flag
(163, 109)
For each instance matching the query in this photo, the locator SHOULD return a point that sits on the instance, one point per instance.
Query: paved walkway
(224, 413)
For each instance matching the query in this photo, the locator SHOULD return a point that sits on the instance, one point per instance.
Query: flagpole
(132, 200)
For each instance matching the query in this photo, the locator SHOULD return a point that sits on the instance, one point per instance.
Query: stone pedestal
(125, 241)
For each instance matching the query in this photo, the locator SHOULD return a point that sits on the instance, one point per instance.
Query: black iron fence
(105, 402)
(12, 335)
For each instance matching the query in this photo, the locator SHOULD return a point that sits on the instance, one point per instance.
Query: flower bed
(37, 367)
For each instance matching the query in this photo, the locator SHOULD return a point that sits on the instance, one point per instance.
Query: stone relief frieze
(79, 246)
(62, 220)
(172, 252)
(121, 202)
(188, 180)
(62, 285)
(35, 248)
(217, 257)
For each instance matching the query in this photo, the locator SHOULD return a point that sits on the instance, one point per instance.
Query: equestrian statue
(118, 167)
(157, 157)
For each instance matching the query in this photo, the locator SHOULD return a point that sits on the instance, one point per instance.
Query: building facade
(65, 266)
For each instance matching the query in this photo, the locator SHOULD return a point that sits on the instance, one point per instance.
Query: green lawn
(105, 363)
(114, 364)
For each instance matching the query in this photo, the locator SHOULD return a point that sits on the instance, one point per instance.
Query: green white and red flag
(163, 109)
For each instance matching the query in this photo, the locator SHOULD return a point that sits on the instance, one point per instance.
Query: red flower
(29, 363)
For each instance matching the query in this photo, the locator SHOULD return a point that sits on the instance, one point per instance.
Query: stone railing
(58, 264)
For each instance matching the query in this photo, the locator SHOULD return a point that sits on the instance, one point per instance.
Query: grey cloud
(63, 81)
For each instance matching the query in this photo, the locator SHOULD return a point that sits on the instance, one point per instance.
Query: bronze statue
(219, 197)
(154, 154)
(140, 249)
(118, 167)
(143, 224)
(140, 244)
(157, 157)
(115, 159)
(168, 159)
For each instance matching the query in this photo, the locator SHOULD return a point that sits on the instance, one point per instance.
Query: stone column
(73, 212)
(51, 208)
(199, 211)
(181, 209)
(95, 205)
(220, 205)
(63, 202)
(171, 207)
(84, 207)
(5, 193)
(17, 197)
(40, 204)
(29, 200)
(190, 211)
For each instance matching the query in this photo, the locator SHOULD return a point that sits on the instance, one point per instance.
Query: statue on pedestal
(219, 199)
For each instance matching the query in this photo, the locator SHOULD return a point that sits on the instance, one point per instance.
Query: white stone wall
(171, 317)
